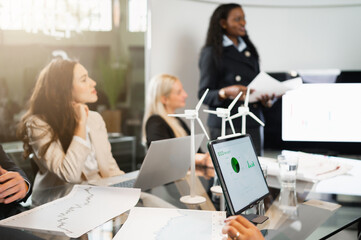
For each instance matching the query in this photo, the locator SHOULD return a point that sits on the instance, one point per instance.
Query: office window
(56, 17)
(137, 18)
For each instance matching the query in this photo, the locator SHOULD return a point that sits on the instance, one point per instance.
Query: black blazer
(6, 163)
(157, 128)
(216, 73)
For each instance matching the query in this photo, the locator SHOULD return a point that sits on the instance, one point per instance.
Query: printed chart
(166, 223)
(83, 209)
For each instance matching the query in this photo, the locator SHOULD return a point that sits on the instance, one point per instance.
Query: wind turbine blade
(202, 99)
(247, 97)
(204, 130)
(231, 124)
(235, 116)
(244, 124)
(234, 101)
(210, 111)
(256, 118)
(177, 115)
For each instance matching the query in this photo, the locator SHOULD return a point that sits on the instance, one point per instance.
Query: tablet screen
(238, 168)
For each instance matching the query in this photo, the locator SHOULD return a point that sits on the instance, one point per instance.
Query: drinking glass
(288, 174)
(288, 171)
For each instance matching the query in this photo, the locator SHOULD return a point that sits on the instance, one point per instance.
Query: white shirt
(228, 42)
(91, 164)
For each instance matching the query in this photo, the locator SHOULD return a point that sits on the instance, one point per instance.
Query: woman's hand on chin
(81, 114)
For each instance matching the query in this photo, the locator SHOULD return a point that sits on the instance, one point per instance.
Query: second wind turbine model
(225, 114)
(192, 114)
(243, 111)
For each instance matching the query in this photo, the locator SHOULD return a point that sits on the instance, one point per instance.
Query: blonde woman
(164, 96)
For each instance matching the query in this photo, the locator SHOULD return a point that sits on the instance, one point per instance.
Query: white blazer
(58, 171)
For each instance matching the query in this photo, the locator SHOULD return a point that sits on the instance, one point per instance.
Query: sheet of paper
(346, 184)
(311, 167)
(265, 84)
(83, 209)
(166, 223)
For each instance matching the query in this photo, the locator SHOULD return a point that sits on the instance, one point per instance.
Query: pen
(332, 170)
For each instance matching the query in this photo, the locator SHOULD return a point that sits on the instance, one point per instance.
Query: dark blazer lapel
(233, 53)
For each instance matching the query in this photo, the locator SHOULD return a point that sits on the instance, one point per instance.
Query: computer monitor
(322, 113)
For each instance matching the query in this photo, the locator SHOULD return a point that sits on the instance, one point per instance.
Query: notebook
(166, 161)
(239, 172)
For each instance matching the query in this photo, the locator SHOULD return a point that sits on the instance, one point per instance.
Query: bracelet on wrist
(222, 93)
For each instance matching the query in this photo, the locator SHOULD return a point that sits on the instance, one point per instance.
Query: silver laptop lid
(166, 161)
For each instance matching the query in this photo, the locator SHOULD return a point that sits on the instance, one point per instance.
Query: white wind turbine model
(225, 114)
(244, 111)
(192, 114)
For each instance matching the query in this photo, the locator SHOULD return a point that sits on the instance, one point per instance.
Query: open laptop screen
(239, 172)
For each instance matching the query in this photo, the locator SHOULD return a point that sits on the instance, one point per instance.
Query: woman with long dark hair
(228, 63)
(69, 142)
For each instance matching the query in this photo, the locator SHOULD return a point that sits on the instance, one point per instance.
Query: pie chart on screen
(235, 165)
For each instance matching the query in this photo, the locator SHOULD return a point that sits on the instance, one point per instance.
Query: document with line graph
(83, 209)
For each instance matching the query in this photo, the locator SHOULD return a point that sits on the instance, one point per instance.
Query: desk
(181, 188)
(310, 222)
(75, 202)
(343, 189)
(314, 222)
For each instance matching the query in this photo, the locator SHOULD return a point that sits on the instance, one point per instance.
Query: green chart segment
(235, 165)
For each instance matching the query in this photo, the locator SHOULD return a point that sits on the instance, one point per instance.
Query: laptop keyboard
(126, 184)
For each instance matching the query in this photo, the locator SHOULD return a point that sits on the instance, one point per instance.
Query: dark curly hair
(215, 31)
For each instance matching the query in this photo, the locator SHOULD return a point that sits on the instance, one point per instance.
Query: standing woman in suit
(228, 63)
(69, 142)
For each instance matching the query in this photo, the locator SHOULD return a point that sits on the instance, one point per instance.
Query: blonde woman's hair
(159, 86)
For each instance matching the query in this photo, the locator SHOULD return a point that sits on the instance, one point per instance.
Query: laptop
(239, 173)
(166, 161)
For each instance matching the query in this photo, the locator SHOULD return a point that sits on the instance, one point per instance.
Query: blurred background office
(124, 42)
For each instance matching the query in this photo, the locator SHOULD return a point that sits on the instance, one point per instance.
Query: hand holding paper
(264, 84)
(232, 91)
